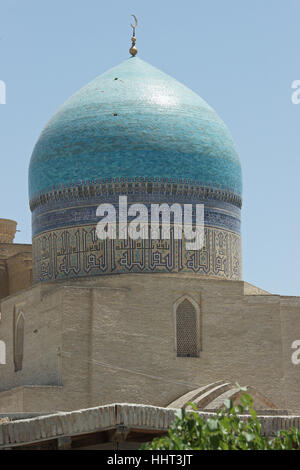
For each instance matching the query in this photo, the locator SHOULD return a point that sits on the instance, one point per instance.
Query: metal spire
(133, 50)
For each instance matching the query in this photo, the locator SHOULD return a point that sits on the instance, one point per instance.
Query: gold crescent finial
(136, 22)
(133, 50)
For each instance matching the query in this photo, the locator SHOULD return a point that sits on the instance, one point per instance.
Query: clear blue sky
(240, 55)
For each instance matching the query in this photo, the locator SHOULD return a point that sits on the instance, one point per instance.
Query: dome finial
(133, 50)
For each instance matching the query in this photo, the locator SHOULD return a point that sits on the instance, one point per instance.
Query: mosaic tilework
(61, 213)
(214, 217)
(134, 121)
(60, 235)
(76, 252)
(138, 188)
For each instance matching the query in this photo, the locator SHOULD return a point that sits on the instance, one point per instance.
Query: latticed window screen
(186, 330)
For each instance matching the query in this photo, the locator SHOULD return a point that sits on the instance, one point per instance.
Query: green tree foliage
(227, 430)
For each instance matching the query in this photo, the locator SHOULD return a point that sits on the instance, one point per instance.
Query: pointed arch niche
(19, 340)
(187, 327)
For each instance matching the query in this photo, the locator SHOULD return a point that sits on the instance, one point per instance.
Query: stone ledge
(102, 418)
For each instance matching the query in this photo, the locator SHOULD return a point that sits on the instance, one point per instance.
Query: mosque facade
(90, 322)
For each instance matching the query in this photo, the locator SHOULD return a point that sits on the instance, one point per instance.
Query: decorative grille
(186, 330)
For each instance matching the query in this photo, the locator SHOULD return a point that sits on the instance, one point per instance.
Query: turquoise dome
(134, 122)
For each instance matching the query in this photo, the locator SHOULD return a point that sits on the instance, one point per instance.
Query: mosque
(134, 328)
